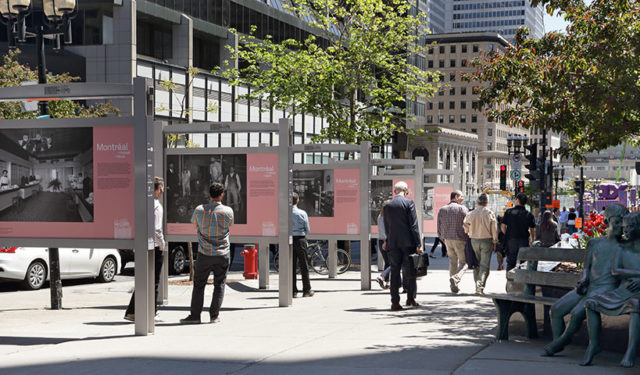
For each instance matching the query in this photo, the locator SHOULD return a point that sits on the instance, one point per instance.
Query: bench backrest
(531, 276)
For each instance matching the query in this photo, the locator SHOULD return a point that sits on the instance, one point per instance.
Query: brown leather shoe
(396, 307)
(413, 303)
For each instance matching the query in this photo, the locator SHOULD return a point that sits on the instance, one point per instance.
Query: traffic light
(579, 187)
(503, 177)
(520, 187)
(534, 167)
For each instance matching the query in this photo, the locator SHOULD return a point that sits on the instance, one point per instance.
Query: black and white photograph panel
(316, 192)
(381, 191)
(46, 175)
(190, 176)
(428, 196)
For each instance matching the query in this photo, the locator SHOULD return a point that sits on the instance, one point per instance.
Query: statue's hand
(634, 286)
(581, 287)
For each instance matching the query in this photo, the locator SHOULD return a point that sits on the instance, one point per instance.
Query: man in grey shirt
(300, 222)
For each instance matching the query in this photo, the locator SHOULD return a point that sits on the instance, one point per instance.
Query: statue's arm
(623, 273)
(581, 287)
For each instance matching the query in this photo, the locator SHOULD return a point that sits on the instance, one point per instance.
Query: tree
(355, 70)
(584, 83)
(12, 74)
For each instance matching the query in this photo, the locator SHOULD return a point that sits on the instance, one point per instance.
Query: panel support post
(159, 170)
(263, 264)
(285, 189)
(419, 195)
(365, 226)
(143, 235)
(332, 258)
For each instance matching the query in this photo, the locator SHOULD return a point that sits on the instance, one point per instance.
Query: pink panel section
(113, 188)
(262, 200)
(441, 197)
(346, 218)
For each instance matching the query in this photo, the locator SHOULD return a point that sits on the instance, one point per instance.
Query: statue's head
(631, 225)
(613, 215)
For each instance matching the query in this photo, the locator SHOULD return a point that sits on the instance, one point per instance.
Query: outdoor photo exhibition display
(81, 182)
(335, 197)
(257, 188)
(67, 182)
(435, 197)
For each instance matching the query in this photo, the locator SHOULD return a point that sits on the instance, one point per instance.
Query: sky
(554, 23)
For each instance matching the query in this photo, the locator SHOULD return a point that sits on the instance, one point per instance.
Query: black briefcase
(421, 263)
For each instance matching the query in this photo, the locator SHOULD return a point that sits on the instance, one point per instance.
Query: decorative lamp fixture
(57, 9)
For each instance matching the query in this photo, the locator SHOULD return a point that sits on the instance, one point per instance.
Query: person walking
(482, 227)
(300, 228)
(519, 227)
(212, 221)
(547, 232)
(450, 229)
(443, 248)
(563, 218)
(571, 220)
(403, 239)
(383, 279)
(158, 242)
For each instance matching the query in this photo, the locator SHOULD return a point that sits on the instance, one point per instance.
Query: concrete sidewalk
(341, 330)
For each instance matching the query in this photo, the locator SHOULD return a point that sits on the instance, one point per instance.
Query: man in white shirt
(158, 241)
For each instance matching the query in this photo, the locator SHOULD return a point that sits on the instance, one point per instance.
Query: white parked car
(31, 264)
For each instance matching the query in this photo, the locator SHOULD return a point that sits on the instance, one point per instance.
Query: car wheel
(177, 261)
(107, 270)
(36, 275)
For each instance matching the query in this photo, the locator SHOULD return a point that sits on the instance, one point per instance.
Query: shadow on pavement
(29, 341)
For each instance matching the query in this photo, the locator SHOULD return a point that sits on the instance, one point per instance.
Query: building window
(463, 91)
(474, 104)
(430, 64)
(452, 105)
(452, 49)
(489, 146)
(430, 105)
(452, 77)
(476, 48)
(441, 119)
(464, 48)
(463, 63)
(463, 118)
(452, 63)
(463, 105)
(452, 91)
(440, 105)
(441, 49)
(441, 92)
(489, 132)
(474, 130)
(441, 64)
(452, 119)
(474, 118)
(429, 119)
(431, 50)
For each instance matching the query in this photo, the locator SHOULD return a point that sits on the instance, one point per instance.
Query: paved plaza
(340, 330)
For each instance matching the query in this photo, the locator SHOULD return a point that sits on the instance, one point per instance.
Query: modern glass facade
(502, 17)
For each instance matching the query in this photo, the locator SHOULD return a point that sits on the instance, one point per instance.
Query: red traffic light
(503, 168)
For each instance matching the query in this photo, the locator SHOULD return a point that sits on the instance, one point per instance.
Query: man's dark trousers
(158, 259)
(400, 260)
(218, 264)
(300, 258)
(513, 246)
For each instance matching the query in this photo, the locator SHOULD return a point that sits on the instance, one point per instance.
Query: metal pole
(543, 174)
(285, 189)
(365, 225)
(55, 283)
(581, 207)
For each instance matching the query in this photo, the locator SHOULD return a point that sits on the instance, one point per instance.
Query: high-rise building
(435, 11)
(502, 17)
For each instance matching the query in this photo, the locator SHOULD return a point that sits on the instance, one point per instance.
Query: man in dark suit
(403, 239)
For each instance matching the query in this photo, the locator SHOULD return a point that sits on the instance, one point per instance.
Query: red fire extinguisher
(250, 254)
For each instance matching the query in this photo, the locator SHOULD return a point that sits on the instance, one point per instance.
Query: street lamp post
(558, 175)
(514, 142)
(50, 18)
